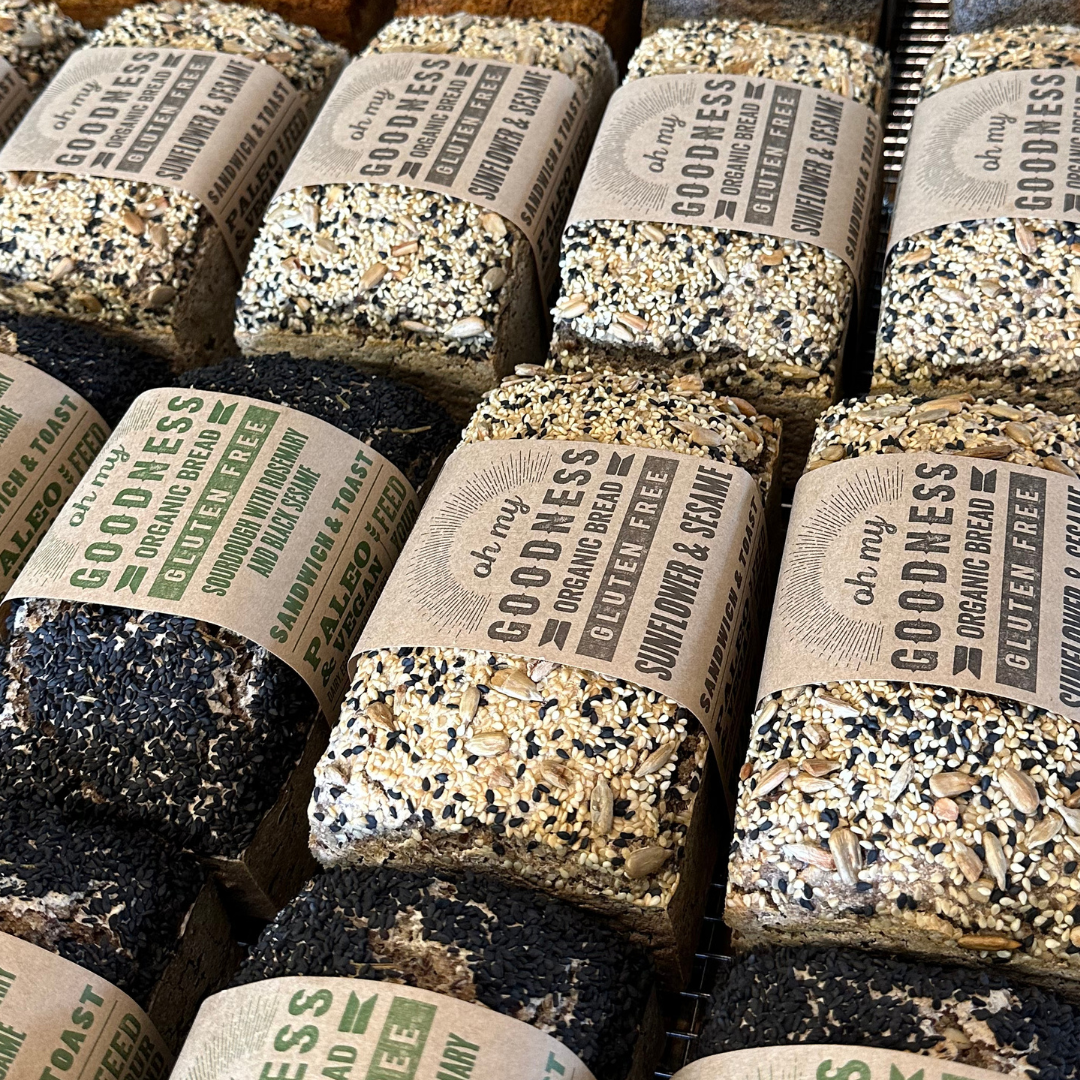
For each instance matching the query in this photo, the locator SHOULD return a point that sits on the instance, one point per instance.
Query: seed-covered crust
(840, 996)
(413, 279)
(431, 765)
(991, 306)
(531, 958)
(955, 813)
(36, 38)
(139, 258)
(852, 18)
(185, 727)
(758, 316)
(109, 900)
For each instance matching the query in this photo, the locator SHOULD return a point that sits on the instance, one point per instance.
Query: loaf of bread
(137, 259)
(535, 959)
(564, 739)
(913, 818)
(180, 726)
(989, 307)
(754, 315)
(840, 996)
(36, 37)
(437, 291)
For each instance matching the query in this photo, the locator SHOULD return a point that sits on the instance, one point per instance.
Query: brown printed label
(834, 1062)
(932, 568)
(740, 153)
(512, 137)
(217, 126)
(996, 146)
(49, 436)
(247, 515)
(60, 1020)
(358, 1029)
(632, 562)
(14, 99)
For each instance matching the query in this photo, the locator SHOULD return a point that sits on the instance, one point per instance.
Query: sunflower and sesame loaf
(618, 20)
(756, 316)
(908, 817)
(530, 957)
(181, 726)
(423, 796)
(986, 306)
(440, 292)
(853, 18)
(848, 998)
(137, 259)
(36, 38)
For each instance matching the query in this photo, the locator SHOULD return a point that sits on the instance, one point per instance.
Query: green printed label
(401, 1044)
(260, 519)
(355, 1029)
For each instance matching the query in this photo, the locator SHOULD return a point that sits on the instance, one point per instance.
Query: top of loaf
(36, 38)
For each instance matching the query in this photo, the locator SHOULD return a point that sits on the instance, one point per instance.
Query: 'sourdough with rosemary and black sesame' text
(982, 284)
(716, 230)
(832, 1000)
(271, 508)
(407, 248)
(911, 782)
(853, 18)
(531, 958)
(478, 732)
(138, 214)
(35, 39)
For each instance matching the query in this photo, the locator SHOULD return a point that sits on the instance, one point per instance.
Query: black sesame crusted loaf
(117, 902)
(853, 18)
(986, 306)
(36, 37)
(440, 292)
(184, 727)
(529, 957)
(839, 996)
(754, 315)
(108, 372)
(423, 801)
(913, 818)
(137, 259)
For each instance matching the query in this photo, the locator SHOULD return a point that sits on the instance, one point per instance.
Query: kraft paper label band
(14, 99)
(245, 514)
(59, 1020)
(739, 153)
(295, 1027)
(996, 146)
(49, 436)
(803, 1062)
(932, 568)
(511, 137)
(632, 562)
(216, 126)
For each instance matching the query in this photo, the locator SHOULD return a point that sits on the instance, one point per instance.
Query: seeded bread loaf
(914, 792)
(107, 372)
(186, 728)
(400, 783)
(839, 996)
(111, 900)
(440, 292)
(36, 38)
(137, 259)
(618, 20)
(754, 315)
(852, 18)
(986, 306)
(537, 960)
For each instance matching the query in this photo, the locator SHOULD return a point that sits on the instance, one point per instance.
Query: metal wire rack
(913, 30)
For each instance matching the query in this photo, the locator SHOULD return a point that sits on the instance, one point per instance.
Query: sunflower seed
(944, 785)
(469, 327)
(988, 943)
(493, 224)
(1025, 239)
(996, 862)
(970, 864)
(487, 744)
(557, 773)
(1005, 412)
(514, 683)
(646, 861)
(494, 279)
(1020, 790)
(133, 223)
(1044, 831)
(380, 714)
(773, 778)
(946, 810)
(601, 808)
(1071, 817)
(372, 276)
(812, 856)
(1020, 433)
(656, 760)
(838, 707)
(901, 779)
(654, 232)
(819, 766)
(847, 853)
(161, 295)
